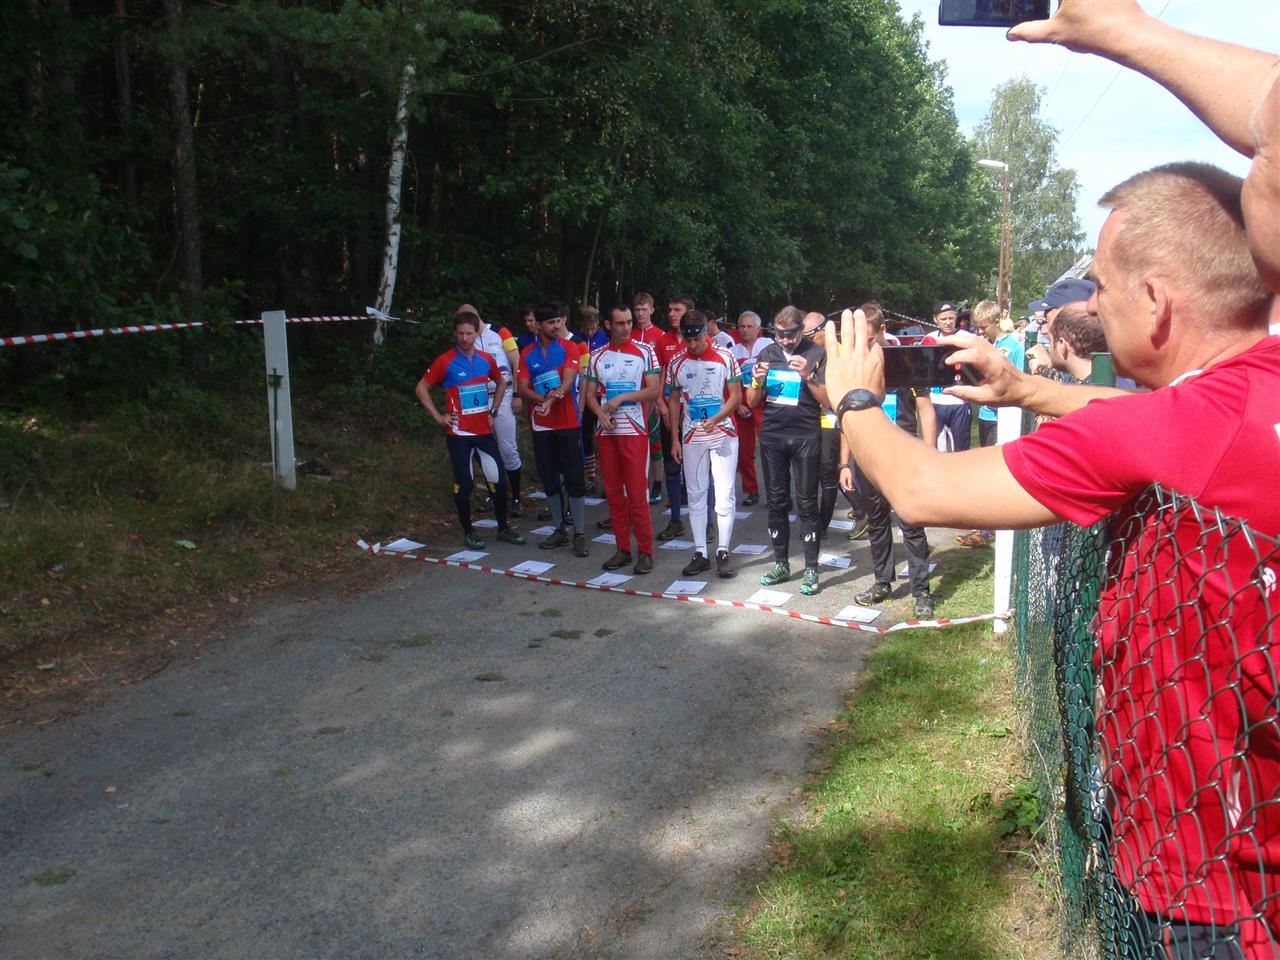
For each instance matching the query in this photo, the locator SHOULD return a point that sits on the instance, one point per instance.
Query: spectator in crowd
(591, 337)
(1076, 338)
(787, 378)
(1185, 313)
(1071, 290)
(745, 351)
(987, 318)
(718, 337)
(622, 378)
(832, 464)
(954, 416)
(589, 332)
(879, 520)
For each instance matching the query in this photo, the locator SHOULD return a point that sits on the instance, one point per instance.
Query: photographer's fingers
(860, 332)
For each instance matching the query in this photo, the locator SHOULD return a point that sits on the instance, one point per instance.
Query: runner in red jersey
(621, 381)
(467, 375)
(1187, 737)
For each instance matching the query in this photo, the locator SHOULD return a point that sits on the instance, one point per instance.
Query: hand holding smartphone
(925, 366)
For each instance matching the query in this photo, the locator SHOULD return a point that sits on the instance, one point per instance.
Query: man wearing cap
(953, 414)
(706, 389)
(1071, 290)
(788, 379)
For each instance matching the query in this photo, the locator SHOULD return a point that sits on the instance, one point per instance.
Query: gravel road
(449, 765)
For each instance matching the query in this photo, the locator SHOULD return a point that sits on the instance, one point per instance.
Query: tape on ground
(376, 550)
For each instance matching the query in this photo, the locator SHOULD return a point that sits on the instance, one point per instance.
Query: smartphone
(924, 366)
(990, 13)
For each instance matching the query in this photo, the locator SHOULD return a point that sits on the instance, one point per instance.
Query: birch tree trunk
(395, 181)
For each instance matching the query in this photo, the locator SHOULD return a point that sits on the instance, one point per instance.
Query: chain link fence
(1145, 666)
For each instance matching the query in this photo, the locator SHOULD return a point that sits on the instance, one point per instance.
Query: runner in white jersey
(706, 388)
(498, 343)
(621, 380)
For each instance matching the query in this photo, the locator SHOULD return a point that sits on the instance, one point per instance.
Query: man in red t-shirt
(467, 375)
(1187, 737)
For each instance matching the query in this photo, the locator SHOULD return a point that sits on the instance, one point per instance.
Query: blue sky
(1136, 125)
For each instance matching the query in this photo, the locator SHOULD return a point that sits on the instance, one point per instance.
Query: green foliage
(1046, 231)
(1021, 810)
(749, 154)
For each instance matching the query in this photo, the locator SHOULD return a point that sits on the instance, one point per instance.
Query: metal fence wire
(1145, 661)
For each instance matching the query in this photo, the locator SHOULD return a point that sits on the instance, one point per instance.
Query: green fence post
(1104, 371)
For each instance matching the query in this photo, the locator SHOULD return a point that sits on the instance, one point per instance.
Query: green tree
(1046, 233)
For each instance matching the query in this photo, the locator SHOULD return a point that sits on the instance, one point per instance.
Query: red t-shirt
(1188, 739)
(466, 389)
(650, 335)
(543, 369)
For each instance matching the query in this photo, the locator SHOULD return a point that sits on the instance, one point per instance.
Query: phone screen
(990, 13)
(924, 366)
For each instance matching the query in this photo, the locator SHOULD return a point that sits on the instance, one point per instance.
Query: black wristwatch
(857, 400)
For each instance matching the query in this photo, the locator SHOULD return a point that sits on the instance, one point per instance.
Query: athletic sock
(673, 494)
(578, 509)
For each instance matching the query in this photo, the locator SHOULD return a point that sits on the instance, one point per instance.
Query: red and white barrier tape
(149, 328)
(376, 550)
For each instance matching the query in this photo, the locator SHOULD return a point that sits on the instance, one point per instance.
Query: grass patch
(899, 850)
(54, 878)
(419, 641)
(99, 516)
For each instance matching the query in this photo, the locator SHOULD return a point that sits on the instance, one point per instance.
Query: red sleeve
(1091, 462)
(435, 373)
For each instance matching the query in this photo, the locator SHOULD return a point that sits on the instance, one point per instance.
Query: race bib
(783, 387)
(473, 398)
(544, 383)
(617, 387)
(703, 408)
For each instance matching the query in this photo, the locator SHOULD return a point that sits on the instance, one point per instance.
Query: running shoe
(511, 535)
(544, 513)
(878, 594)
(697, 565)
(924, 608)
(517, 508)
(472, 541)
(722, 565)
(605, 524)
(861, 529)
(619, 560)
(644, 564)
(809, 583)
(655, 493)
(672, 530)
(580, 548)
(751, 499)
(977, 538)
(780, 573)
(558, 539)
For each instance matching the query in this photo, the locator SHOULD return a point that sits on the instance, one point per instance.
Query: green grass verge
(164, 514)
(897, 852)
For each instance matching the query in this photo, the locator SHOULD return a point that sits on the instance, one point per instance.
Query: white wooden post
(279, 402)
(1008, 427)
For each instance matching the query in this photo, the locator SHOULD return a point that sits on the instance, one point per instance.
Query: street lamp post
(1004, 276)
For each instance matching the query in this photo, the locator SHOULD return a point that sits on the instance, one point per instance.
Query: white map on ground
(685, 587)
(610, 579)
(403, 545)
(467, 556)
(535, 567)
(857, 614)
(834, 560)
(769, 598)
(750, 549)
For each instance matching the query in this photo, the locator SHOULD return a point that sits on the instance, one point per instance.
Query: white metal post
(1008, 427)
(279, 403)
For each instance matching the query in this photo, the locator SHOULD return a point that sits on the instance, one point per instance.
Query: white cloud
(1134, 126)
